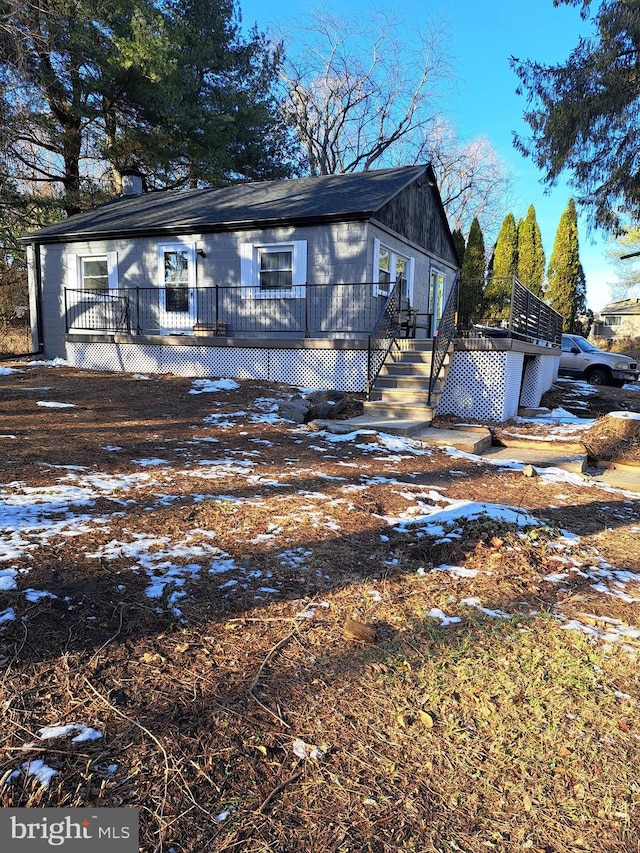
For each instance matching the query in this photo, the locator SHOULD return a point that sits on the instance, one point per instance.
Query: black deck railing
(383, 335)
(531, 319)
(446, 333)
(521, 315)
(322, 310)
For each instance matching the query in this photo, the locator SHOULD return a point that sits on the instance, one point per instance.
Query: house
(315, 282)
(282, 280)
(618, 321)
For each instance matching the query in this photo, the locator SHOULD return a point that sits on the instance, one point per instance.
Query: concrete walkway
(478, 441)
(473, 439)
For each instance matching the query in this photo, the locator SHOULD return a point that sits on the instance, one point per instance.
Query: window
(390, 267)
(577, 341)
(176, 263)
(436, 296)
(94, 272)
(384, 270)
(274, 269)
(613, 320)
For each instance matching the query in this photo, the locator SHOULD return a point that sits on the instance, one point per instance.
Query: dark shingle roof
(356, 195)
(624, 306)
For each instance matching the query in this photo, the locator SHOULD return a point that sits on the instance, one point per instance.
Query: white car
(582, 360)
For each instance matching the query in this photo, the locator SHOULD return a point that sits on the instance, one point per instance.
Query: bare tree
(371, 94)
(354, 91)
(624, 256)
(473, 180)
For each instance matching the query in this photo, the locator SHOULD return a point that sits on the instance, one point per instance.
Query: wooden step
(409, 371)
(407, 344)
(411, 357)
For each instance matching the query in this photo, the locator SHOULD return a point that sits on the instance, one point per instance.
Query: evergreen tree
(458, 242)
(583, 319)
(89, 89)
(497, 294)
(472, 278)
(584, 113)
(531, 259)
(565, 275)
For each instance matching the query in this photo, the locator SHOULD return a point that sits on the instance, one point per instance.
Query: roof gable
(355, 195)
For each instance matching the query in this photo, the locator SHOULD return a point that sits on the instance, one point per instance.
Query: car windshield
(584, 345)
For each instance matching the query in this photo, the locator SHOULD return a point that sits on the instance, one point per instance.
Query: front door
(177, 309)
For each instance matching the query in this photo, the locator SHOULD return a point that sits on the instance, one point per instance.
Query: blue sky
(482, 36)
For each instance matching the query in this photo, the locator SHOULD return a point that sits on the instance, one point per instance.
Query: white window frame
(176, 320)
(178, 246)
(612, 320)
(250, 269)
(394, 256)
(76, 268)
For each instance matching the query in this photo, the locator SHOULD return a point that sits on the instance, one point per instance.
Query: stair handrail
(383, 335)
(445, 334)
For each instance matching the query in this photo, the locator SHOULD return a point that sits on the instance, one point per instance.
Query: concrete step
(376, 423)
(395, 410)
(472, 439)
(401, 396)
(542, 454)
(467, 437)
(403, 382)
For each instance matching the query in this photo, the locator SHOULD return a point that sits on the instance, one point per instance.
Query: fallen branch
(165, 792)
(256, 680)
(277, 790)
(110, 640)
(273, 651)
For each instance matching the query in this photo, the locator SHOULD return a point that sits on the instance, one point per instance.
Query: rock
(326, 404)
(296, 409)
(529, 471)
(316, 404)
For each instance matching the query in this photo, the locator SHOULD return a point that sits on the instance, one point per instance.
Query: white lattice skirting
(343, 369)
(539, 376)
(492, 385)
(483, 386)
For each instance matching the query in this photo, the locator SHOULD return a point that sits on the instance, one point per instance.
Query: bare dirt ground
(238, 709)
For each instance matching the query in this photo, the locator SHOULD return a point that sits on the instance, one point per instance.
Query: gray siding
(337, 253)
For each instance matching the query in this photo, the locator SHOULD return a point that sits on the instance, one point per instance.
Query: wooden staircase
(401, 390)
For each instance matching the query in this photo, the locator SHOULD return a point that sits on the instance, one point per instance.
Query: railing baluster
(445, 334)
(530, 318)
(383, 335)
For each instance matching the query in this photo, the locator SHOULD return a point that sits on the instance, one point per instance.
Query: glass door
(177, 302)
(437, 299)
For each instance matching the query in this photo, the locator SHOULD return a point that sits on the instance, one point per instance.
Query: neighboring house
(308, 282)
(617, 321)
